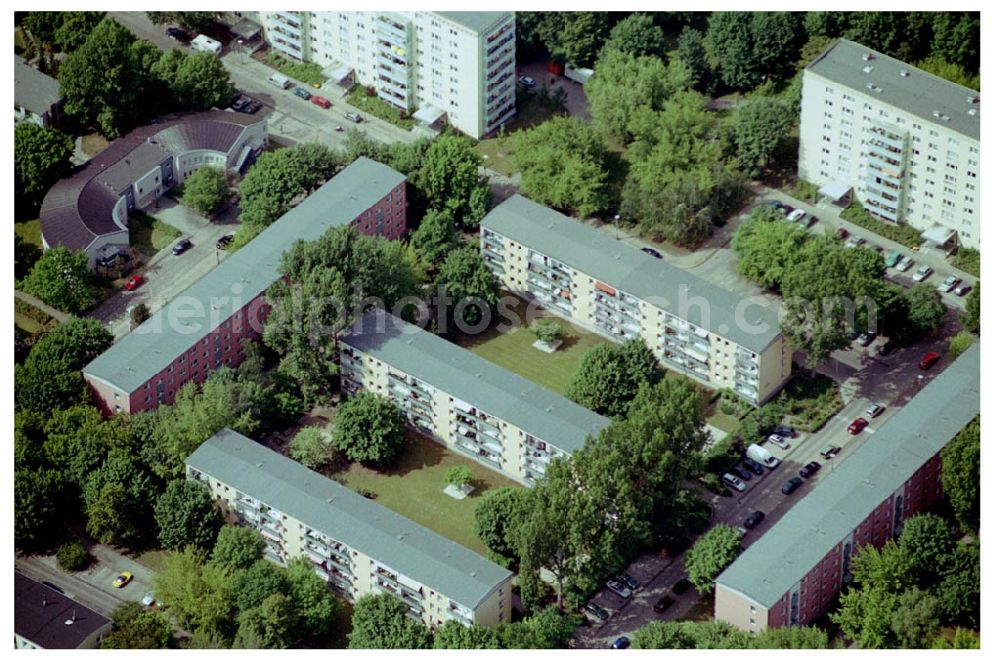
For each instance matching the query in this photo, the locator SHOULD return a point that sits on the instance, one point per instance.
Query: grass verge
(967, 260)
(359, 97)
(903, 234)
(309, 73)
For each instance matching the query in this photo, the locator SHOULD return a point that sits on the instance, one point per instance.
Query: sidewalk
(58, 315)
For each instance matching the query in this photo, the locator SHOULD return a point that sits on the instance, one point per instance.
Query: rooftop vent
(868, 69)
(972, 112)
(936, 114)
(946, 118)
(260, 465)
(868, 57)
(904, 73)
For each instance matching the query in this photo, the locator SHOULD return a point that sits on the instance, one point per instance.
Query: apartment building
(203, 328)
(795, 571)
(715, 336)
(453, 65)
(499, 419)
(357, 546)
(905, 141)
(36, 96)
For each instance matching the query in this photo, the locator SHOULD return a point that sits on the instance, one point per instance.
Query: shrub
(72, 556)
(458, 476)
(901, 233)
(546, 330)
(967, 260)
(958, 344)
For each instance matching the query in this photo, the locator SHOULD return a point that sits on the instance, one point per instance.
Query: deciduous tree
(41, 157)
(201, 82)
(761, 126)
(186, 516)
(752, 47)
(369, 429)
(711, 554)
(237, 548)
(381, 622)
(609, 376)
(466, 289)
(119, 499)
(313, 447)
(135, 628)
(637, 35)
(496, 520)
(205, 190)
(960, 476)
(63, 280)
(450, 179)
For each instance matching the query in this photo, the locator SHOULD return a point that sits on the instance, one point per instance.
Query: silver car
(921, 273)
(619, 589)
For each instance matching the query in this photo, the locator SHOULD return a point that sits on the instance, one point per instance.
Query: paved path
(58, 315)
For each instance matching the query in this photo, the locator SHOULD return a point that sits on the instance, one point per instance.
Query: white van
(280, 80)
(761, 455)
(207, 44)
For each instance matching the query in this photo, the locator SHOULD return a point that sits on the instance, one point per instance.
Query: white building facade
(905, 141)
(457, 65)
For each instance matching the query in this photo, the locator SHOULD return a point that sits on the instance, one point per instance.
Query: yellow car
(123, 579)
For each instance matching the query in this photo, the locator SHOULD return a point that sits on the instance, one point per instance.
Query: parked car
(253, 107)
(878, 248)
(353, 117)
(681, 586)
(893, 258)
(874, 410)
(808, 222)
(950, 283)
(526, 81)
(904, 264)
(176, 33)
(785, 209)
(963, 289)
(182, 246)
(809, 469)
(795, 215)
(785, 431)
(928, 361)
(885, 348)
(853, 335)
(752, 466)
(921, 273)
(843, 233)
(742, 473)
(322, 102)
(854, 241)
(773, 204)
(653, 253)
(733, 482)
(857, 426)
(595, 612)
(619, 589)
(149, 599)
(866, 338)
(791, 485)
(829, 451)
(225, 241)
(134, 282)
(123, 579)
(628, 581)
(778, 441)
(621, 643)
(753, 519)
(299, 91)
(663, 603)
(239, 102)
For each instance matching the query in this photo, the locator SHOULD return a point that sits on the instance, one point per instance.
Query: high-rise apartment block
(457, 65)
(713, 335)
(905, 141)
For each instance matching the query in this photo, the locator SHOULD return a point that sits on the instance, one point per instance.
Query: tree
(434, 238)
(251, 586)
(315, 605)
(72, 556)
(609, 376)
(958, 591)
(563, 164)
(637, 35)
(186, 516)
(103, 83)
(39, 497)
(496, 520)
(43, 25)
(205, 189)
(915, 619)
(963, 639)
(959, 343)
(119, 499)
(381, 622)
(454, 635)
(78, 440)
(63, 280)
(140, 314)
(41, 157)
(75, 29)
(956, 38)
(466, 289)
(579, 37)
(369, 429)
(458, 476)
(939, 66)
(752, 47)
(691, 52)
(201, 82)
(925, 308)
(622, 85)
(547, 330)
(766, 248)
(237, 548)
(313, 447)
(449, 177)
(268, 626)
(690, 636)
(929, 544)
(196, 595)
(135, 628)
(791, 638)
(25, 256)
(548, 629)
(189, 20)
(960, 477)
(50, 377)
(970, 318)
(711, 554)
(761, 126)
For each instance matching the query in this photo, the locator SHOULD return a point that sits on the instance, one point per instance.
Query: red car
(134, 282)
(320, 101)
(842, 233)
(928, 361)
(857, 425)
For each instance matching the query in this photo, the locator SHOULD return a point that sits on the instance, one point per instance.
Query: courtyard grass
(148, 234)
(30, 231)
(414, 487)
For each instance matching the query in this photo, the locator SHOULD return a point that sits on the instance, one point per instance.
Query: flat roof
(41, 614)
(203, 306)
(829, 514)
(476, 21)
(328, 507)
(34, 90)
(748, 322)
(454, 370)
(918, 92)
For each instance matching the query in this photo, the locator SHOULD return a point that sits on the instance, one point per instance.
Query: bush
(546, 330)
(900, 233)
(72, 556)
(806, 191)
(958, 344)
(305, 72)
(967, 260)
(458, 476)
(713, 482)
(369, 103)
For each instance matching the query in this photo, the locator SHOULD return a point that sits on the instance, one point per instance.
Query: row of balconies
(499, 44)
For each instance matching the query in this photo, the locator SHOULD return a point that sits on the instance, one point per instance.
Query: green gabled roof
(829, 514)
(328, 507)
(745, 321)
(464, 375)
(171, 331)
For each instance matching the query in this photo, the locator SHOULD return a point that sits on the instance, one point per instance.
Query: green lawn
(30, 231)
(358, 97)
(414, 488)
(514, 352)
(154, 559)
(149, 235)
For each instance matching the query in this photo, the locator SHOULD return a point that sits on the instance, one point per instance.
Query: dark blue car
(621, 643)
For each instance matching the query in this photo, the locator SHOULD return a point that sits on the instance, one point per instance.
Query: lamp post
(618, 235)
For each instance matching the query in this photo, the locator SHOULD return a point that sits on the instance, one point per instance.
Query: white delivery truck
(207, 44)
(580, 75)
(761, 455)
(280, 80)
